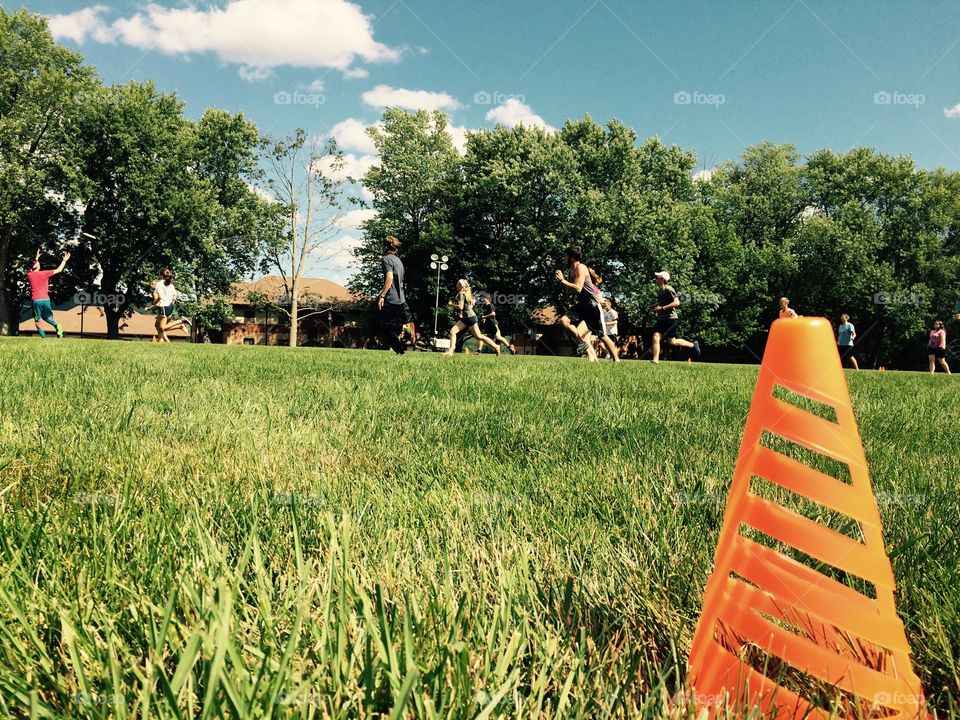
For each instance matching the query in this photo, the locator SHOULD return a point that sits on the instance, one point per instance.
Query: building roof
(94, 323)
(273, 287)
(547, 315)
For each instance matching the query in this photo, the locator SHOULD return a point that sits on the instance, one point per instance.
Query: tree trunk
(111, 314)
(6, 316)
(294, 319)
(112, 317)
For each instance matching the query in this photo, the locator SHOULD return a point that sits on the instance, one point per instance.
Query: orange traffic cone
(881, 369)
(811, 630)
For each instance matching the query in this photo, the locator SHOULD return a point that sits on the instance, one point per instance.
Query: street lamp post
(437, 263)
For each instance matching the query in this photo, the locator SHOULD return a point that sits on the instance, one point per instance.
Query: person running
(665, 328)
(40, 294)
(786, 311)
(165, 298)
(585, 317)
(846, 334)
(610, 321)
(490, 327)
(602, 338)
(937, 348)
(468, 319)
(391, 302)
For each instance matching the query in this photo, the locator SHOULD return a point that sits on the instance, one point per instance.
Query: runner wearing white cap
(667, 320)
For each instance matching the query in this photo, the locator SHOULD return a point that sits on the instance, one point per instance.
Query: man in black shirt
(667, 320)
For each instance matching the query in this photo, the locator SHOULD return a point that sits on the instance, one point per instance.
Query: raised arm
(63, 263)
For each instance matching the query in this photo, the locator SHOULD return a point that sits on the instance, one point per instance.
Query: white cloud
(352, 219)
(458, 134)
(704, 174)
(317, 85)
(952, 112)
(334, 260)
(261, 193)
(351, 134)
(255, 74)
(353, 166)
(513, 113)
(355, 73)
(385, 96)
(78, 25)
(256, 34)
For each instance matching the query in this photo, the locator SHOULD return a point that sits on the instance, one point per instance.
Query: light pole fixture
(437, 263)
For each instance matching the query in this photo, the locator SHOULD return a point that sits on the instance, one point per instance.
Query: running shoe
(696, 349)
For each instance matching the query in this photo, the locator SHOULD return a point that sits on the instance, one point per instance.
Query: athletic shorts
(589, 314)
(166, 311)
(489, 328)
(846, 351)
(469, 321)
(42, 311)
(939, 352)
(666, 327)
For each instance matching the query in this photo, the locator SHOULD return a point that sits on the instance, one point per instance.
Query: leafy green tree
(757, 205)
(884, 251)
(145, 204)
(512, 213)
(42, 86)
(411, 185)
(244, 223)
(160, 190)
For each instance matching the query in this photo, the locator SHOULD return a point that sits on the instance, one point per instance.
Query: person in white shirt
(610, 318)
(164, 299)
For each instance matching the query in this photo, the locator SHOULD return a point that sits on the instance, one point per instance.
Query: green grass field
(251, 532)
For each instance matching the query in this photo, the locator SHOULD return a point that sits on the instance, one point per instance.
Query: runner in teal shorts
(40, 294)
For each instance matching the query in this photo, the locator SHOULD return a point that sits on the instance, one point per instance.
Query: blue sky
(710, 76)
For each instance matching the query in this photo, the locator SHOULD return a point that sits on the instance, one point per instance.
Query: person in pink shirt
(40, 294)
(937, 348)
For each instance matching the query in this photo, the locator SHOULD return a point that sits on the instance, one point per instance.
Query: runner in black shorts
(468, 318)
(937, 348)
(586, 316)
(489, 325)
(667, 321)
